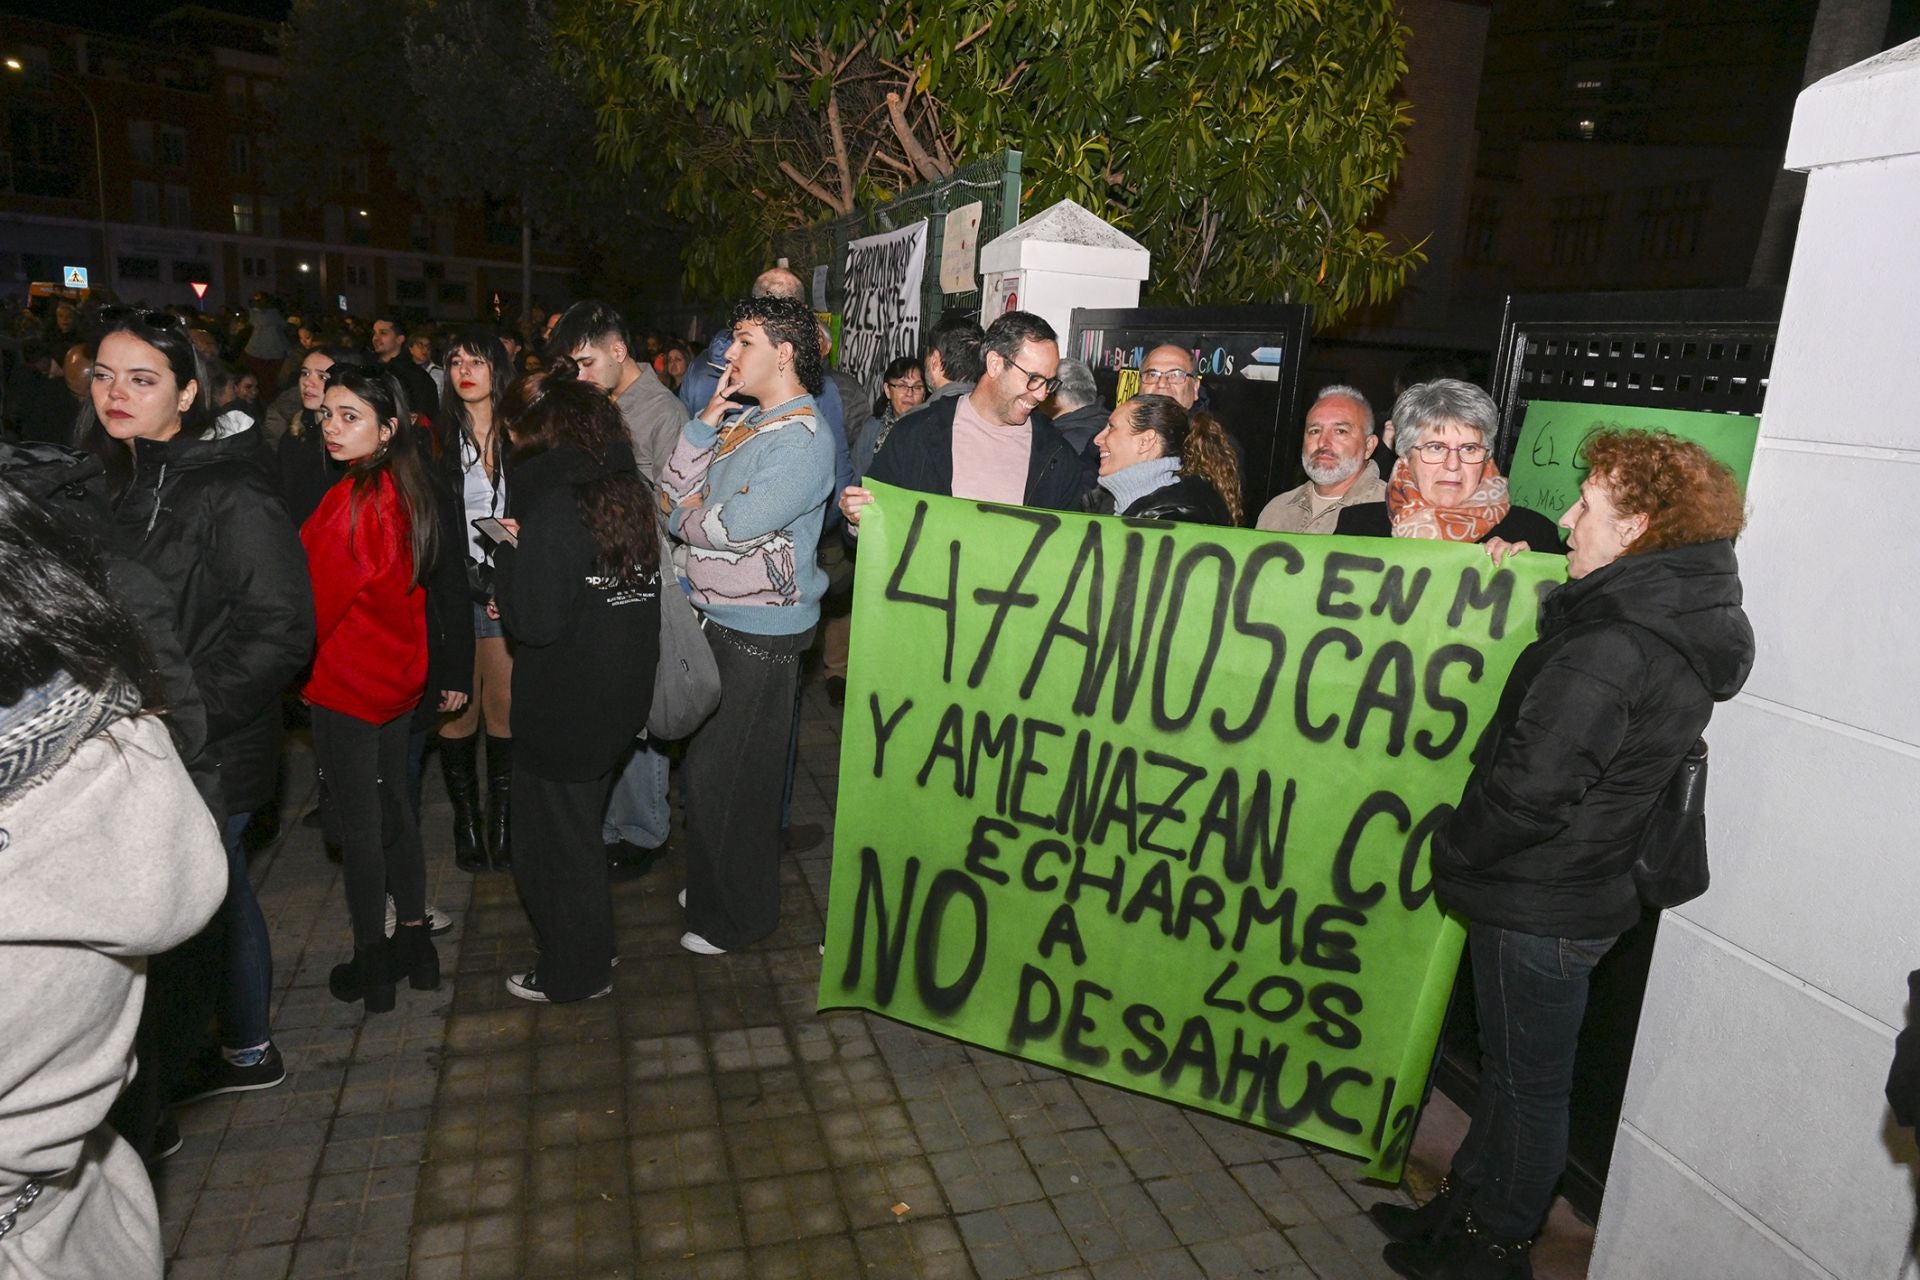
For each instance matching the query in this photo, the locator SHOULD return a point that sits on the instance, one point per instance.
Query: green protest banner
(1548, 466)
(1151, 802)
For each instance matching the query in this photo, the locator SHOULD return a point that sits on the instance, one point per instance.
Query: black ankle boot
(499, 800)
(459, 761)
(1437, 1217)
(367, 977)
(414, 957)
(1467, 1252)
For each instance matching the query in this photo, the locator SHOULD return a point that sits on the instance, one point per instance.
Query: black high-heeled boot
(414, 956)
(499, 800)
(1437, 1217)
(459, 761)
(367, 977)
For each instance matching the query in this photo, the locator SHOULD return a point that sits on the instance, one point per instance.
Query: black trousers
(560, 866)
(733, 779)
(364, 767)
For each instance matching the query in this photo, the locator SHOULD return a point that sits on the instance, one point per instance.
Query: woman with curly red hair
(1634, 650)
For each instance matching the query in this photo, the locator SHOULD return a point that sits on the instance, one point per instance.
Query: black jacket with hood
(585, 653)
(71, 487)
(205, 518)
(1593, 722)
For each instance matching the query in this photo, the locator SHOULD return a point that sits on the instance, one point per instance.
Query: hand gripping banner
(1150, 802)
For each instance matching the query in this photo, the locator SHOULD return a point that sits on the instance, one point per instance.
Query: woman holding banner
(1159, 462)
(1594, 721)
(1446, 485)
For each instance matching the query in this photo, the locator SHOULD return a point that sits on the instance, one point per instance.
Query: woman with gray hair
(1446, 485)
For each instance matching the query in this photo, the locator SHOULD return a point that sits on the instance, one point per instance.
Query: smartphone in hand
(493, 531)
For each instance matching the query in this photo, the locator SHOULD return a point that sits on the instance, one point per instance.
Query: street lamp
(99, 160)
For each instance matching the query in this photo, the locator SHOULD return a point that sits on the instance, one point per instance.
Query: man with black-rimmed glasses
(988, 445)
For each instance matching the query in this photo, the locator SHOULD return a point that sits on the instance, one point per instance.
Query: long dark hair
(557, 411)
(1197, 439)
(167, 334)
(475, 340)
(307, 420)
(399, 458)
(57, 612)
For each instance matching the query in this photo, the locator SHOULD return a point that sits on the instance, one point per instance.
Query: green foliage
(1246, 146)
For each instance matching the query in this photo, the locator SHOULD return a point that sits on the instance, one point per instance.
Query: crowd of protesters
(401, 536)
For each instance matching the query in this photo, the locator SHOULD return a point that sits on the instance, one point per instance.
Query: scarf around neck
(42, 730)
(1413, 516)
(1130, 484)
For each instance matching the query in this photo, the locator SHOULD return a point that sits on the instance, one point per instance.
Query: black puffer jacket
(205, 518)
(71, 486)
(1189, 499)
(584, 662)
(1593, 722)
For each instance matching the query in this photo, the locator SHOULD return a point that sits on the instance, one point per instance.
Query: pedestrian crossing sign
(74, 277)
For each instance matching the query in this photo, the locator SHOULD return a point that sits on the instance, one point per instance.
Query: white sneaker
(683, 899)
(438, 921)
(527, 987)
(700, 946)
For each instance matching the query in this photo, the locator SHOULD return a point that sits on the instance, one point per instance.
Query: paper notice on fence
(960, 250)
(882, 315)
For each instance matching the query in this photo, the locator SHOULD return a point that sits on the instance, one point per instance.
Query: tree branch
(851, 55)
(836, 135)
(929, 168)
(892, 162)
(812, 188)
(984, 28)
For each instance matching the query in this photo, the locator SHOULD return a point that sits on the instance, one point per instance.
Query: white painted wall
(1755, 1142)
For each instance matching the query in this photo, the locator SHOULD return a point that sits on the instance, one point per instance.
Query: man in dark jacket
(1078, 413)
(389, 342)
(987, 445)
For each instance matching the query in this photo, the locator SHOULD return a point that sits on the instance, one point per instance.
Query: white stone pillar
(1755, 1141)
(1061, 258)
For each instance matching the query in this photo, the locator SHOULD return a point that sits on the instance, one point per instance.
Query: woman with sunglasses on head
(473, 449)
(204, 517)
(579, 591)
(1446, 485)
(370, 548)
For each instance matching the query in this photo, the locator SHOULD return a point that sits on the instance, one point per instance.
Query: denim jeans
(1531, 995)
(246, 991)
(638, 811)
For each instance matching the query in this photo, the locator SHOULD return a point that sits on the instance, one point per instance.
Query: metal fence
(994, 182)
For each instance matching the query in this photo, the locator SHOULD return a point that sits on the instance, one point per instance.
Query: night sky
(123, 15)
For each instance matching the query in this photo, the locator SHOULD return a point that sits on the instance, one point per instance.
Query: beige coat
(111, 859)
(1292, 511)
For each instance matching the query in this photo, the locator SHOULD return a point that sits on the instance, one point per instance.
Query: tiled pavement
(703, 1122)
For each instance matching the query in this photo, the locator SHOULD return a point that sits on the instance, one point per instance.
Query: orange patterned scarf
(1413, 516)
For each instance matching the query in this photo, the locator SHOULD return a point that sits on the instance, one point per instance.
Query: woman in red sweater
(369, 547)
